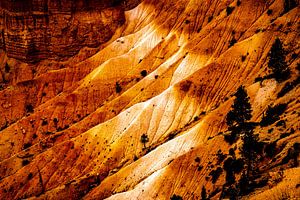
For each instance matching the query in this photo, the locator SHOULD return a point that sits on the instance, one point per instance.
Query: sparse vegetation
(269, 12)
(118, 88)
(144, 139)
(26, 145)
(203, 194)
(176, 197)
(238, 115)
(292, 154)
(229, 10)
(277, 63)
(243, 58)
(215, 174)
(29, 108)
(25, 162)
(232, 42)
(288, 87)
(289, 5)
(7, 68)
(144, 73)
(273, 114)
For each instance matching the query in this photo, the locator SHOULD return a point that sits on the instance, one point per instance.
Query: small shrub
(220, 156)
(238, 3)
(288, 87)
(200, 167)
(30, 175)
(210, 18)
(26, 145)
(269, 12)
(7, 68)
(144, 139)
(197, 160)
(273, 114)
(229, 10)
(44, 122)
(289, 5)
(243, 58)
(25, 162)
(187, 21)
(144, 73)
(176, 197)
(203, 194)
(29, 108)
(118, 88)
(232, 42)
(293, 154)
(280, 123)
(270, 149)
(215, 174)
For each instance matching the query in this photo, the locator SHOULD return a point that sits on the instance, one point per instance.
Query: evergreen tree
(249, 149)
(239, 114)
(277, 63)
(241, 108)
(204, 194)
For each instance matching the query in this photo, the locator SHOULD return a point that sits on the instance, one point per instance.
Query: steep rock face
(32, 30)
(146, 116)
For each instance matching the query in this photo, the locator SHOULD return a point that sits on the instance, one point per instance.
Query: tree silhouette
(277, 62)
(250, 149)
(176, 197)
(239, 114)
(288, 5)
(144, 139)
(204, 194)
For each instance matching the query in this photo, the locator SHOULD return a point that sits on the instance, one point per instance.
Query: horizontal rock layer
(32, 30)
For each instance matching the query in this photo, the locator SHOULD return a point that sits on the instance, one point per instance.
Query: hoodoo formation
(149, 99)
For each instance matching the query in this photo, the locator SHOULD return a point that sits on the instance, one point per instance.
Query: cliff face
(33, 30)
(188, 99)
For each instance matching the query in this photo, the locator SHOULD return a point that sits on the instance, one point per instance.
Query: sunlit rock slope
(146, 115)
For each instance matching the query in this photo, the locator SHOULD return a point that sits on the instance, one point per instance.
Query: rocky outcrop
(32, 30)
(149, 114)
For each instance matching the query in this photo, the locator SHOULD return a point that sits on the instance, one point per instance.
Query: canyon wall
(33, 30)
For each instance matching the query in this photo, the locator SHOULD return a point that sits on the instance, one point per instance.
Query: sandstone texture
(33, 30)
(140, 111)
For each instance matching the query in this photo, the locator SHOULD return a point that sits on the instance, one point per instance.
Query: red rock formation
(144, 115)
(32, 30)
